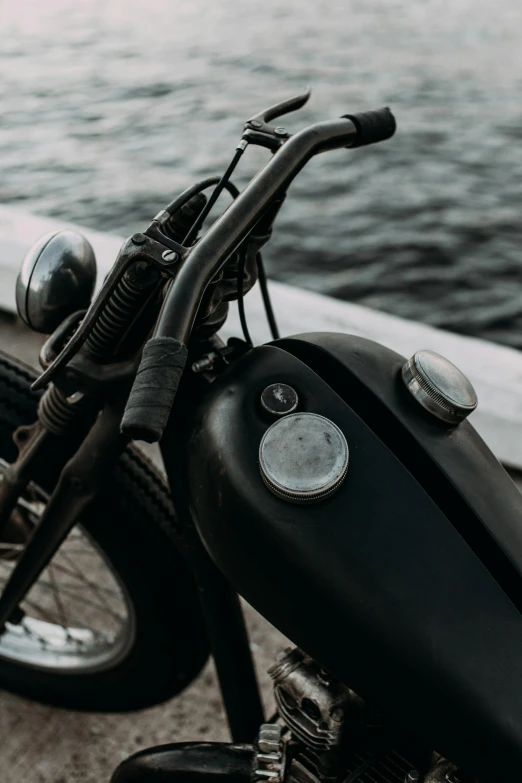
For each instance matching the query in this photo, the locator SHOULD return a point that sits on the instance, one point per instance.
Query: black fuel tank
(406, 582)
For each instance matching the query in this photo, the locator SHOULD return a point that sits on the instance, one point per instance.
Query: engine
(326, 733)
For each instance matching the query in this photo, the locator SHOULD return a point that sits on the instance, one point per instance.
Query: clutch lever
(258, 129)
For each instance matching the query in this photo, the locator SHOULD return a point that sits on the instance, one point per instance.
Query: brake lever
(258, 129)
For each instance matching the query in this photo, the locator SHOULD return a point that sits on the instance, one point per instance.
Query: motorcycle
(333, 484)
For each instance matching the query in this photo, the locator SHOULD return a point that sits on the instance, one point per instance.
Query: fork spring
(116, 317)
(57, 414)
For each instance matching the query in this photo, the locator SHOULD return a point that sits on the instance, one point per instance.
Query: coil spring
(57, 414)
(115, 318)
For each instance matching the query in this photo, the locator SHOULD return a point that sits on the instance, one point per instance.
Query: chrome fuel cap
(303, 457)
(440, 387)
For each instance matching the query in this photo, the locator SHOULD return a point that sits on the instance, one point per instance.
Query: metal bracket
(258, 129)
(137, 247)
(154, 231)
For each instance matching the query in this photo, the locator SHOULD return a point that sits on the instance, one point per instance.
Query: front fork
(77, 488)
(31, 443)
(59, 421)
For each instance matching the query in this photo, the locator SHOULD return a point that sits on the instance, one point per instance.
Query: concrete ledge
(494, 370)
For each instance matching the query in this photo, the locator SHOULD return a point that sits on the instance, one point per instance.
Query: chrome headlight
(57, 278)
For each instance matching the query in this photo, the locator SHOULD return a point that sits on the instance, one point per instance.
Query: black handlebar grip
(155, 386)
(372, 126)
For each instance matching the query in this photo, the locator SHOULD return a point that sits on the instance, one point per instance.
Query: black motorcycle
(330, 482)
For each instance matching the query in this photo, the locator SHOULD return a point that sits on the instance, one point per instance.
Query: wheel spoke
(76, 613)
(29, 631)
(74, 574)
(58, 599)
(37, 608)
(82, 599)
(35, 507)
(90, 584)
(83, 552)
(72, 587)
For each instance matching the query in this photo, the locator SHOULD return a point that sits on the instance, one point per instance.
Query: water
(110, 107)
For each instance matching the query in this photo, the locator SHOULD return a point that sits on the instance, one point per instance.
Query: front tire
(164, 645)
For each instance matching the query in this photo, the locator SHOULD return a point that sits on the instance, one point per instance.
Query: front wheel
(114, 622)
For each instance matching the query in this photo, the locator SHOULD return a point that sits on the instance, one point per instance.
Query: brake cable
(257, 131)
(199, 187)
(267, 302)
(222, 183)
(240, 296)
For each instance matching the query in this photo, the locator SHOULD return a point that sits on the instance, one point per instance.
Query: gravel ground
(45, 745)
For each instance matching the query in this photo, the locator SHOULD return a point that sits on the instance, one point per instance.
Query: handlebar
(156, 383)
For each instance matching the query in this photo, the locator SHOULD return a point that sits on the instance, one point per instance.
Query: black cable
(240, 298)
(187, 194)
(266, 298)
(223, 183)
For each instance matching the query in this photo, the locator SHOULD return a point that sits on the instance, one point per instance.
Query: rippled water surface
(109, 107)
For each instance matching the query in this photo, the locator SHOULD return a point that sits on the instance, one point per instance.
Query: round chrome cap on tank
(303, 457)
(440, 387)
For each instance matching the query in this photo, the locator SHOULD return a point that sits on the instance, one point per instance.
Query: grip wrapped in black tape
(155, 386)
(372, 126)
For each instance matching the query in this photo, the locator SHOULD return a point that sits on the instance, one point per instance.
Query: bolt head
(280, 131)
(413, 776)
(138, 239)
(170, 256)
(256, 124)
